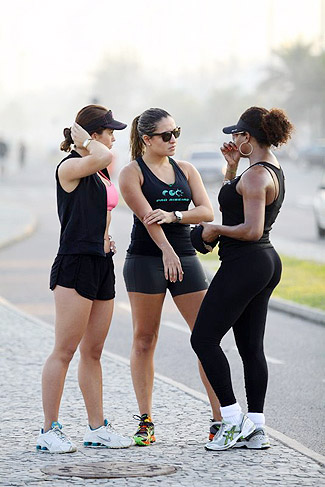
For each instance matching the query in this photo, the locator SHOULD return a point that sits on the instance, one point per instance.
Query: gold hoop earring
(243, 153)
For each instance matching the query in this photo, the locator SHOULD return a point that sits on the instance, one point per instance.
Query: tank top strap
(177, 169)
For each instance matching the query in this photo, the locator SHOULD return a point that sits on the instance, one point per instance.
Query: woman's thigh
(98, 325)
(234, 286)
(189, 305)
(146, 312)
(72, 315)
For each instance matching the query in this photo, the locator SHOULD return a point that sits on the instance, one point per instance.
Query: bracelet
(86, 143)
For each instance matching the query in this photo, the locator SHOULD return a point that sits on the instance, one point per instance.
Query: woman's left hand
(158, 216)
(110, 245)
(79, 135)
(209, 233)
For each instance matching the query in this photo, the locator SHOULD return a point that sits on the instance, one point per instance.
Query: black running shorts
(145, 274)
(92, 276)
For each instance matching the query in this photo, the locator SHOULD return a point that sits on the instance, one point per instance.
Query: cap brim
(232, 129)
(115, 125)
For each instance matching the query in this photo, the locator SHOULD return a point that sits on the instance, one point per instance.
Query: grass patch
(303, 281)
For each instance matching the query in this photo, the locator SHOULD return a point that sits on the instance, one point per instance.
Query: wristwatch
(86, 143)
(179, 216)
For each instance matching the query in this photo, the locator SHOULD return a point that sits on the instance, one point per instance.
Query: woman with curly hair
(250, 269)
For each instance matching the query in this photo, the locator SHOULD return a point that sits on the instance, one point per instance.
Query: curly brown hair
(274, 124)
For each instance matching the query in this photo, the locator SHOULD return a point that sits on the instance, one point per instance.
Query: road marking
(175, 326)
(123, 305)
(271, 360)
(171, 324)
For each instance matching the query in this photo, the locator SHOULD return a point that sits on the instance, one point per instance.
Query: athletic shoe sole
(43, 449)
(141, 442)
(90, 444)
(248, 429)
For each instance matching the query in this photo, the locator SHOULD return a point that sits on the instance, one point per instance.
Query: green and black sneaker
(145, 434)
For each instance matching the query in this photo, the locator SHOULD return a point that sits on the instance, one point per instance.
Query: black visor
(106, 122)
(242, 126)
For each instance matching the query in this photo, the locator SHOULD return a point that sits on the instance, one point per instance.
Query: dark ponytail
(136, 142)
(66, 144)
(144, 124)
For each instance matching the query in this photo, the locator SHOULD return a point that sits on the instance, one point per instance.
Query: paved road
(294, 347)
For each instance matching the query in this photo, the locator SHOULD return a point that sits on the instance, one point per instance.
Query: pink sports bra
(111, 191)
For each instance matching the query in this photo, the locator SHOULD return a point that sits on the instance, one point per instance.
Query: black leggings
(238, 297)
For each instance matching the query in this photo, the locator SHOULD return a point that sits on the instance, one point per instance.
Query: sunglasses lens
(177, 132)
(166, 136)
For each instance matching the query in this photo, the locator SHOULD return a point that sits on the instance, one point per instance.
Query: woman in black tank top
(250, 269)
(158, 190)
(82, 279)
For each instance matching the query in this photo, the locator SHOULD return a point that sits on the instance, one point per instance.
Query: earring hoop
(243, 153)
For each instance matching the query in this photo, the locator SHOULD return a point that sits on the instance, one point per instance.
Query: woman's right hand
(231, 154)
(79, 135)
(172, 266)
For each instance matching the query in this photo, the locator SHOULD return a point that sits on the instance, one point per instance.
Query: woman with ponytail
(159, 190)
(82, 278)
(250, 269)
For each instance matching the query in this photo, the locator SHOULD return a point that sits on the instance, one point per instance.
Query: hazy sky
(47, 44)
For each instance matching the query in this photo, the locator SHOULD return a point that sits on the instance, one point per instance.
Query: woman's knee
(145, 342)
(91, 352)
(198, 342)
(64, 355)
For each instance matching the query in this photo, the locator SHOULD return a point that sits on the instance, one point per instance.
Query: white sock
(257, 418)
(232, 413)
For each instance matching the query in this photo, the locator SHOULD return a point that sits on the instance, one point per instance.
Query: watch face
(178, 215)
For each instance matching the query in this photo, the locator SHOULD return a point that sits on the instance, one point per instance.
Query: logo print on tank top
(172, 195)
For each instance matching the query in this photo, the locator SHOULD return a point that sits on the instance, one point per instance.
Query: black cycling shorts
(92, 276)
(145, 274)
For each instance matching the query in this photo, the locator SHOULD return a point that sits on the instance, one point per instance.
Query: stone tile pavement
(181, 426)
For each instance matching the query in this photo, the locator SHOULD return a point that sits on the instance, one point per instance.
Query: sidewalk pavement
(181, 426)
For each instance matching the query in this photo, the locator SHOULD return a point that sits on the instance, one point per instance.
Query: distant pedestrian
(3, 156)
(159, 190)
(250, 269)
(22, 154)
(82, 278)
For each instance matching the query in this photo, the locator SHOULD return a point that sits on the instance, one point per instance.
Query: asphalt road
(295, 348)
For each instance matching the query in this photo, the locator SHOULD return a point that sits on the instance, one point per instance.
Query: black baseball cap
(242, 126)
(106, 121)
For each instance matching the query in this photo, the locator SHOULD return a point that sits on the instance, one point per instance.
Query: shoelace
(60, 434)
(143, 424)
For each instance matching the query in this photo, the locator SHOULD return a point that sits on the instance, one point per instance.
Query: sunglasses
(166, 136)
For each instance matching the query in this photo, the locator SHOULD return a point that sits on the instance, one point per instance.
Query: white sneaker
(54, 440)
(258, 440)
(229, 433)
(105, 436)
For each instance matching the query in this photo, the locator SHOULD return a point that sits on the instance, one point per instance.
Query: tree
(297, 81)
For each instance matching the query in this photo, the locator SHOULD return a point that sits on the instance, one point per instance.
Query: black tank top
(82, 214)
(168, 197)
(232, 208)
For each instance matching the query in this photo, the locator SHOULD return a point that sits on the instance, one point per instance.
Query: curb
(19, 231)
(294, 309)
(277, 435)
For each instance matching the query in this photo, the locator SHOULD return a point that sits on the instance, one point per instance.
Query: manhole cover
(109, 470)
